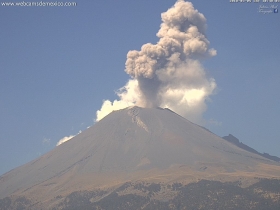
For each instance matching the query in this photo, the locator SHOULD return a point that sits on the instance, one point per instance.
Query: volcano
(149, 156)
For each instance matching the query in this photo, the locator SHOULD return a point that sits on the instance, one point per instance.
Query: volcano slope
(140, 158)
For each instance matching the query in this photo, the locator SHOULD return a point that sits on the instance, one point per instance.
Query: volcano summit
(142, 158)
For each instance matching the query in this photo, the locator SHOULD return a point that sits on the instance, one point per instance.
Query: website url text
(38, 4)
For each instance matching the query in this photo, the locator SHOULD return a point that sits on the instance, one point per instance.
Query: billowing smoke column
(169, 74)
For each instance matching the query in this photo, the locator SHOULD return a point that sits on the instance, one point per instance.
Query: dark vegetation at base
(80, 198)
(20, 203)
(232, 139)
(217, 195)
(204, 195)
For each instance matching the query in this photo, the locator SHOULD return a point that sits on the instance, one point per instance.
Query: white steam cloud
(169, 74)
(66, 138)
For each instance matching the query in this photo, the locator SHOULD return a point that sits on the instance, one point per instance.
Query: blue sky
(57, 65)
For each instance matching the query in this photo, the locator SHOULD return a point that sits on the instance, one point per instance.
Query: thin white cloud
(67, 138)
(64, 139)
(46, 141)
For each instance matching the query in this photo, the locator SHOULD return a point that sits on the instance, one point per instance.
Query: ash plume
(169, 74)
